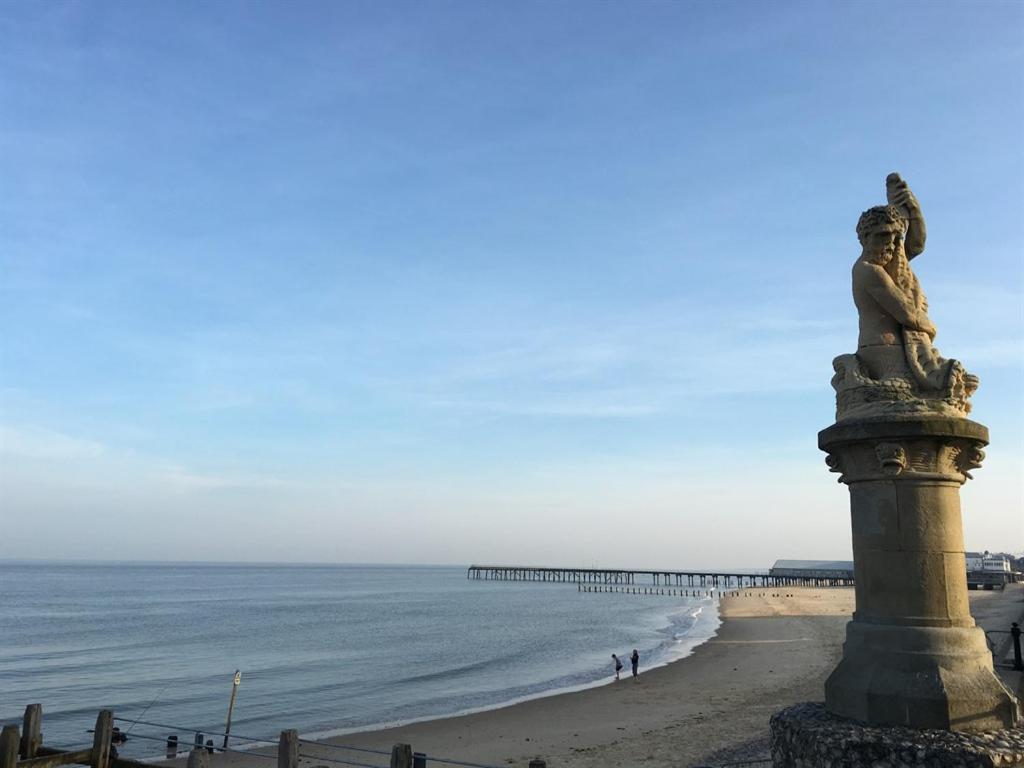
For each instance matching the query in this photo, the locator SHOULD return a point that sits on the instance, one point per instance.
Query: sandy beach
(774, 648)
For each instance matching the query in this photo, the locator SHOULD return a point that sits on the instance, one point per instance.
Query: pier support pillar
(913, 655)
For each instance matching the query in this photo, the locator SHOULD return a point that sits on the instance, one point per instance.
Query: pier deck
(655, 578)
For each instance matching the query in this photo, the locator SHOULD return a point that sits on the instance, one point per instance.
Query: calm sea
(323, 649)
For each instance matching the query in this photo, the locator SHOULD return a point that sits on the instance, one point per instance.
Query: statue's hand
(898, 193)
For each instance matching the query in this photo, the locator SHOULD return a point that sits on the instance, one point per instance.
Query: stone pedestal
(913, 656)
(807, 736)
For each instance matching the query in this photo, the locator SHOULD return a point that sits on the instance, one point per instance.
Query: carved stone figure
(896, 369)
(903, 445)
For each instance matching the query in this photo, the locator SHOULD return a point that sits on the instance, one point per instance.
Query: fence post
(198, 758)
(235, 682)
(419, 760)
(9, 739)
(1018, 662)
(101, 739)
(401, 756)
(288, 749)
(31, 731)
(172, 746)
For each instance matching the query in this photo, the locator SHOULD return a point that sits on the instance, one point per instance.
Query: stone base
(919, 677)
(807, 736)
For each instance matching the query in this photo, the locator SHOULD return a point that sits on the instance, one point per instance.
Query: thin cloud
(567, 408)
(183, 479)
(39, 443)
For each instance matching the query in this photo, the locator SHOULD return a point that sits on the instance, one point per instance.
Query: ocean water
(324, 649)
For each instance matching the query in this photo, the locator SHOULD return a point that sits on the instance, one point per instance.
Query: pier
(654, 578)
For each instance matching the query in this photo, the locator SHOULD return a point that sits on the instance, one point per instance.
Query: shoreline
(713, 705)
(673, 657)
(669, 715)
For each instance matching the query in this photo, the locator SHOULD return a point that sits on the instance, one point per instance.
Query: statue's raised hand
(898, 193)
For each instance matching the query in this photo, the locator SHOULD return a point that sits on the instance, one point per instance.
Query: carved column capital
(919, 450)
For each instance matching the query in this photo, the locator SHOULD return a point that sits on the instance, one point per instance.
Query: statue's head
(881, 230)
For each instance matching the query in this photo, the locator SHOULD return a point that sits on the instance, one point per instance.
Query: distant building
(815, 569)
(990, 570)
(989, 561)
(997, 563)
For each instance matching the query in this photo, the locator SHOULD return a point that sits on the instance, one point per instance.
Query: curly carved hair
(887, 216)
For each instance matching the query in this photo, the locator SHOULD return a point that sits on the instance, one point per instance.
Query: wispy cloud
(31, 450)
(569, 407)
(184, 479)
(39, 443)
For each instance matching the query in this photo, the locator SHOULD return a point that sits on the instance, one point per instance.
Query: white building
(988, 561)
(997, 563)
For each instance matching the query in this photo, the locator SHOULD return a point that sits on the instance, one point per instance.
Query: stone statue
(896, 370)
(903, 445)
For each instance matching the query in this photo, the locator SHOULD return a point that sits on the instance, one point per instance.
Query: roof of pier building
(822, 569)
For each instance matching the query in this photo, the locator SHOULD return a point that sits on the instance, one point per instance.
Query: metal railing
(1014, 632)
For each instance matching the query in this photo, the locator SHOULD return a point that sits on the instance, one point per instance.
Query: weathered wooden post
(288, 749)
(538, 763)
(198, 758)
(101, 739)
(31, 731)
(9, 739)
(231, 705)
(419, 760)
(172, 746)
(401, 756)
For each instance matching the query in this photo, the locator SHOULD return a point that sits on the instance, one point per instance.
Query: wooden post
(31, 731)
(172, 746)
(401, 756)
(9, 739)
(198, 758)
(101, 739)
(538, 763)
(419, 760)
(231, 704)
(288, 749)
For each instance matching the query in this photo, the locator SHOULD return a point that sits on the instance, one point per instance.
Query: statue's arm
(916, 232)
(898, 193)
(883, 290)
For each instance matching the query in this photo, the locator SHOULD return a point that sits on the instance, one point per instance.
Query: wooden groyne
(654, 578)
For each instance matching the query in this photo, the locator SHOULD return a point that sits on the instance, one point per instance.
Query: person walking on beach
(634, 659)
(618, 666)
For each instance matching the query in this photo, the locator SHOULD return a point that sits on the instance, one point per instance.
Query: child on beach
(618, 666)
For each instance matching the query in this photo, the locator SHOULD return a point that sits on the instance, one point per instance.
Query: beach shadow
(756, 751)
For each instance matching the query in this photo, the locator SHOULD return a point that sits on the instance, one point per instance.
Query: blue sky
(452, 282)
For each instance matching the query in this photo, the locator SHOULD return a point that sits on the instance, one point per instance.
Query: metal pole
(231, 706)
